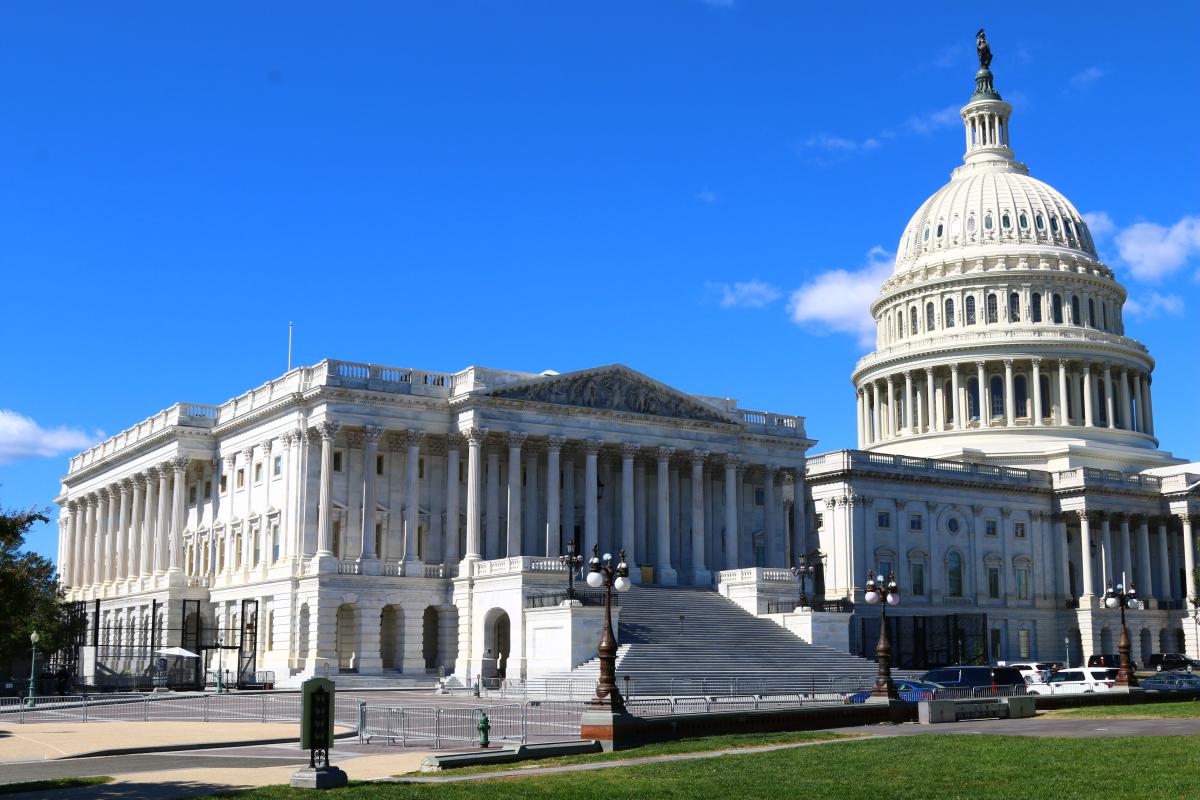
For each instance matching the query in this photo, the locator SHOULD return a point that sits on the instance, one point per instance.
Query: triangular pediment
(612, 388)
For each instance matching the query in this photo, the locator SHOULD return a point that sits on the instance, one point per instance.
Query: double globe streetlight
(883, 592)
(1124, 599)
(603, 572)
(33, 640)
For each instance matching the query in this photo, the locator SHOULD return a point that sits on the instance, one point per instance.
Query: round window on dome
(987, 222)
(1006, 221)
(1023, 221)
(956, 226)
(1041, 222)
(1054, 224)
(970, 224)
(927, 233)
(939, 230)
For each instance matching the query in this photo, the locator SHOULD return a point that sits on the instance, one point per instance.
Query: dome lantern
(986, 115)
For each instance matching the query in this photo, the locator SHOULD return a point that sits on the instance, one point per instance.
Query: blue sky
(538, 186)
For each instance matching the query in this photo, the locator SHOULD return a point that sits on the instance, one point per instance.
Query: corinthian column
(1037, 392)
(956, 400)
(412, 498)
(731, 512)
(553, 502)
(591, 522)
(1085, 542)
(628, 452)
(663, 572)
(1189, 555)
(1010, 400)
(1088, 391)
(369, 558)
(450, 529)
(700, 575)
(180, 466)
(985, 407)
(326, 430)
(515, 441)
(162, 531)
(475, 438)
(1063, 419)
(122, 562)
(100, 569)
(146, 559)
(1109, 416)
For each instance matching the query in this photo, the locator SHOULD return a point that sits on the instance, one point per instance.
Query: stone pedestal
(330, 777)
(562, 637)
(612, 731)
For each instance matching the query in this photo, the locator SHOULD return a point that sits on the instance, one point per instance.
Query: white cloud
(1154, 251)
(708, 196)
(745, 294)
(839, 300)
(21, 437)
(925, 124)
(1087, 77)
(839, 147)
(1154, 305)
(1099, 223)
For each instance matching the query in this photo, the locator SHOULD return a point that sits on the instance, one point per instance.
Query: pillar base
(666, 576)
(702, 578)
(176, 578)
(324, 563)
(614, 731)
(414, 568)
(322, 778)
(370, 566)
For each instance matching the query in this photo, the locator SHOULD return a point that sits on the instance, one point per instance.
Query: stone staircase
(685, 640)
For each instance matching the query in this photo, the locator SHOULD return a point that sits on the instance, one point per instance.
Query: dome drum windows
(930, 317)
(1035, 307)
(993, 312)
(1014, 307)
(1057, 309)
(1076, 319)
(912, 318)
(949, 317)
(970, 307)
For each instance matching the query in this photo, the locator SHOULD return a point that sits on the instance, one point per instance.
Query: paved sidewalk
(49, 740)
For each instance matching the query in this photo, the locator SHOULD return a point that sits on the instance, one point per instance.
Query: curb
(174, 748)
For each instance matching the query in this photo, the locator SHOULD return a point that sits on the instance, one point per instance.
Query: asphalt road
(149, 762)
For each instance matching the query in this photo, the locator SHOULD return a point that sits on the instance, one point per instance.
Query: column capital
(126, 485)
(592, 446)
(327, 429)
(372, 434)
(516, 439)
(665, 453)
(92, 501)
(476, 435)
(770, 471)
(165, 469)
(980, 364)
(1008, 363)
(104, 493)
(1081, 514)
(954, 369)
(555, 442)
(354, 439)
(629, 450)
(248, 453)
(1107, 369)
(1184, 517)
(454, 440)
(1124, 372)
(413, 438)
(230, 460)
(698, 457)
(288, 438)
(831, 503)
(1037, 362)
(266, 445)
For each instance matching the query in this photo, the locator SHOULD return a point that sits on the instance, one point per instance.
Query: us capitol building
(382, 521)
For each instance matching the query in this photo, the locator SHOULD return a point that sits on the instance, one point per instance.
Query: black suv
(1165, 662)
(974, 677)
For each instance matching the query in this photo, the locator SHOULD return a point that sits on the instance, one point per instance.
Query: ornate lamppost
(1124, 599)
(220, 665)
(33, 640)
(602, 572)
(806, 567)
(885, 592)
(572, 561)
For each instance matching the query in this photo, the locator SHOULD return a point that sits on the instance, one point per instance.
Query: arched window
(1021, 393)
(1014, 307)
(997, 387)
(954, 575)
(930, 321)
(1006, 221)
(1057, 309)
(912, 320)
(971, 224)
(1054, 223)
(970, 310)
(1023, 221)
(927, 233)
(940, 229)
(1035, 307)
(1091, 312)
(1076, 319)
(948, 318)
(1041, 222)
(993, 313)
(900, 324)
(973, 399)
(987, 222)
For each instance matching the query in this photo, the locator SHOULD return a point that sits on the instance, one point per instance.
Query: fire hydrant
(485, 725)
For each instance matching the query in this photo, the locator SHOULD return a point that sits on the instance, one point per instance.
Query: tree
(30, 598)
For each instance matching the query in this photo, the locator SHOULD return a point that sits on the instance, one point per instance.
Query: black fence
(587, 597)
(813, 604)
(926, 642)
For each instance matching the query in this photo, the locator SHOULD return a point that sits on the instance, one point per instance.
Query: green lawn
(657, 749)
(1188, 710)
(53, 783)
(929, 767)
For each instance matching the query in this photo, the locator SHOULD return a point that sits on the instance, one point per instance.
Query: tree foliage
(30, 598)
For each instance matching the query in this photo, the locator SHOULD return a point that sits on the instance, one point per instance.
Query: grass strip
(1185, 710)
(52, 783)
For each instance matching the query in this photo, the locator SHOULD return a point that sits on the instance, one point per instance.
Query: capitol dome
(1000, 334)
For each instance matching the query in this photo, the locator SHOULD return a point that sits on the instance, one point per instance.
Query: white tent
(177, 651)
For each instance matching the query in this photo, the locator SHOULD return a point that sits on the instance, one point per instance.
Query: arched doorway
(429, 638)
(391, 637)
(496, 631)
(347, 637)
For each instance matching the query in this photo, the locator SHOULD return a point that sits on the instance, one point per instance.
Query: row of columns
(127, 529)
(1095, 528)
(912, 402)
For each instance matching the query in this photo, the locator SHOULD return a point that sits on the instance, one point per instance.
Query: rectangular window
(990, 527)
(885, 569)
(918, 579)
(1022, 584)
(421, 469)
(379, 539)
(337, 538)
(760, 497)
(241, 478)
(819, 521)
(192, 495)
(257, 547)
(994, 583)
(885, 519)
(258, 473)
(997, 641)
(378, 465)
(337, 460)
(223, 484)
(207, 489)
(277, 466)
(1023, 649)
(1019, 530)
(274, 542)
(914, 522)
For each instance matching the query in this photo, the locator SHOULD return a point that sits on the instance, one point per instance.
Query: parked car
(975, 678)
(1166, 662)
(1080, 680)
(909, 691)
(1183, 682)
(1108, 660)
(1032, 672)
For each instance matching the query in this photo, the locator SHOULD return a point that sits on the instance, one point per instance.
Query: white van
(1080, 680)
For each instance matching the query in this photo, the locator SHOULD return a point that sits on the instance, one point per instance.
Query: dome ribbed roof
(991, 205)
